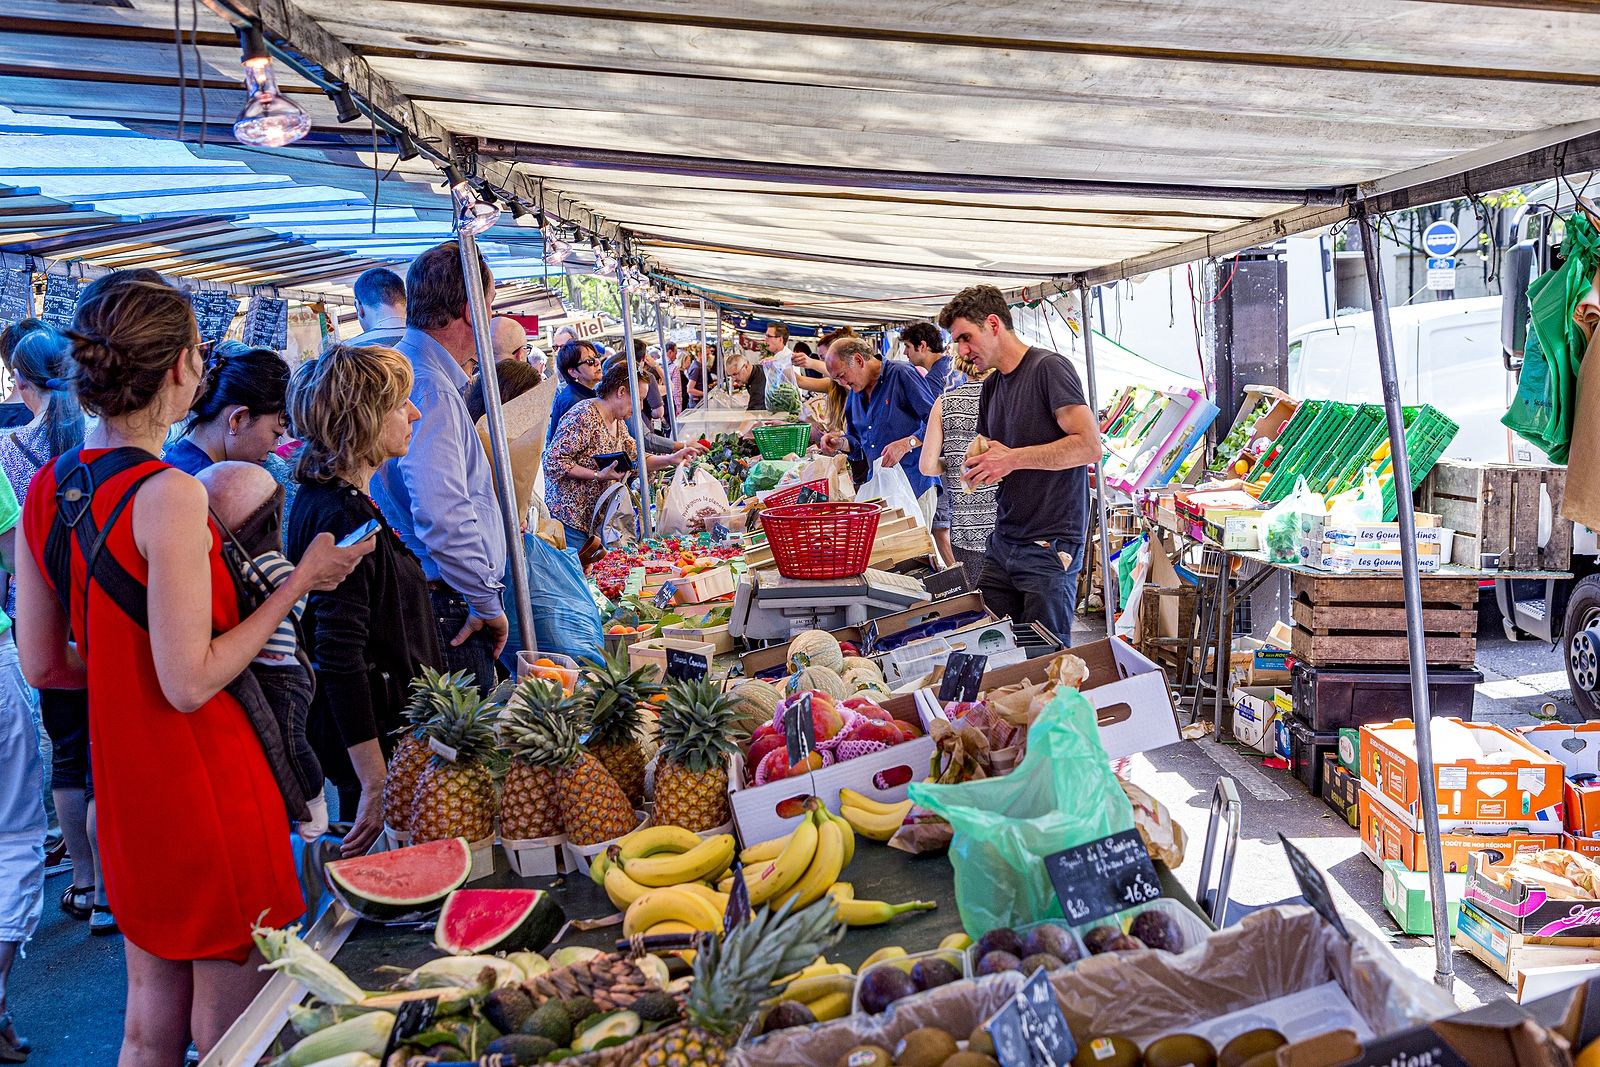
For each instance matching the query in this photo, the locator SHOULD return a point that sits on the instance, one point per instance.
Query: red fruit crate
(819, 541)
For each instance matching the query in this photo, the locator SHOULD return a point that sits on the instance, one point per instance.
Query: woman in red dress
(194, 835)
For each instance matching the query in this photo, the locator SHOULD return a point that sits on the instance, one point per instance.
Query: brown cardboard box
(1388, 835)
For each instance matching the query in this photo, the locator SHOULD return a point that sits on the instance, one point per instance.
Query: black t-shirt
(1019, 409)
(757, 385)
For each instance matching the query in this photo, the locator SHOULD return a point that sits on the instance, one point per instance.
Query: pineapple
(429, 691)
(616, 711)
(593, 806)
(530, 801)
(455, 798)
(698, 723)
(733, 977)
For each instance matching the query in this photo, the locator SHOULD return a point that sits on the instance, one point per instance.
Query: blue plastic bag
(565, 617)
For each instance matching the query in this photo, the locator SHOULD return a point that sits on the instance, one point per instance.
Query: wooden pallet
(1494, 509)
(1340, 620)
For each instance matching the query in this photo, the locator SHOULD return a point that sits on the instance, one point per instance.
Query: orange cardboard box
(1388, 835)
(1518, 784)
(1581, 808)
(1588, 846)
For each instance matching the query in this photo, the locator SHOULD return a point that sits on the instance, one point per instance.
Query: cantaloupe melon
(820, 678)
(815, 648)
(859, 678)
(853, 662)
(757, 701)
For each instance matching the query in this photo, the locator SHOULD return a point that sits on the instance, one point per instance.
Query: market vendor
(1041, 437)
(751, 377)
(888, 406)
(595, 427)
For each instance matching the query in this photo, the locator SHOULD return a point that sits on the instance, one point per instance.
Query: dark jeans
(1028, 581)
(475, 655)
(65, 714)
(288, 691)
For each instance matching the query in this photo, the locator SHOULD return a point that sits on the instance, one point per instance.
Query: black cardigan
(369, 637)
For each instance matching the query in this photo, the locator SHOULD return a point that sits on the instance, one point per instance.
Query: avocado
(525, 1047)
(551, 1022)
(925, 1047)
(656, 1007)
(617, 1025)
(508, 1008)
(580, 1008)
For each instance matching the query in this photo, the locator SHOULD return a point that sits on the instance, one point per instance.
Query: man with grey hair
(751, 377)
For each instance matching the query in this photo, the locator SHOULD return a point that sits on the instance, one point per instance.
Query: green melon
(479, 921)
(404, 883)
(815, 648)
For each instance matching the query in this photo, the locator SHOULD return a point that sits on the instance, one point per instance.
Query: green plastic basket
(1309, 451)
(779, 442)
(1351, 448)
(1288, 437)
(1428, 433)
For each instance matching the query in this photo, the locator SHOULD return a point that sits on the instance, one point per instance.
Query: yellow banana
(670, 926)
(957, 942)
(832, 1006)
(782, 873)
(706, 893)
(879, 826)
(873, 912)
(708, 859)
(654, 840)
(824, 869)
(764, 851)
(849, 836)
(818, 968)
(599, 865)
(726, 885)
(621, 889)
(843, 890)
(819, 985)
(670, 904)
(865, 803)
(892, 952)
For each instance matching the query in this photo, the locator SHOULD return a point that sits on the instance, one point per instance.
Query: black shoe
(102, 922)
(55, 850)
(78, 901)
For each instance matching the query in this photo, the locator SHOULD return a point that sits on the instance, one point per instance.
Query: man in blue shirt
(924, 347)
(440, 496)
(889, 403)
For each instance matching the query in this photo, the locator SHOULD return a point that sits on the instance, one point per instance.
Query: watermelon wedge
(407, 883)
(479, 921)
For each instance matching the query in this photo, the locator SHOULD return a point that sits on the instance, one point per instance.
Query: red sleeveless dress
(194, 837)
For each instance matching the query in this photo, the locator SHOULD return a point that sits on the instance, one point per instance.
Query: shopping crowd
(223, 573)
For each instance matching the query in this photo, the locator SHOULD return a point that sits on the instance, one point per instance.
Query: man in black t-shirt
(1043, 437)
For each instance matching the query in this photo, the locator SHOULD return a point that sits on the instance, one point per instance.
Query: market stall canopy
(848, 161)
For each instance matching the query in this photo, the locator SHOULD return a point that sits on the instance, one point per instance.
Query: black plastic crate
(1308, 751)
(1329, 698)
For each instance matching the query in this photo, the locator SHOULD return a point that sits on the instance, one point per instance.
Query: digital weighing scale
(770, 607)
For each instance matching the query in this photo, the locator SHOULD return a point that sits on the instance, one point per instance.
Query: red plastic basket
(831, 540)
(777, 498)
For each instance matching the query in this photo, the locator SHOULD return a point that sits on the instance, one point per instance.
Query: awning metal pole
(505, 486)
(667, 373)
(705, 365)
(1107, 591)
(646, 518)
(1417, 645)
(704, 353)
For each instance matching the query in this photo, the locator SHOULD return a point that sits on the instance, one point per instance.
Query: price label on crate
(963, 677)
(665, 594)
(685, 665)
(1103, 877)
(799, 732)
(1031, 1031)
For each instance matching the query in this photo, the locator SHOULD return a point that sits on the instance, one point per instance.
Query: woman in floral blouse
(593, 428)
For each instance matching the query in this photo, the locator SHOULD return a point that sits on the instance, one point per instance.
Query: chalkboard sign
(410, 1019)
(16, 296)
(799, 731)
(1103, 877)
(1031, 1031)
(809, 495)
(685, 665)
(266, 323)
(213, 311)
(60, 300)
(665, 594)
(869, 637)
(1313, 886)
(963, 676)
(738, 911)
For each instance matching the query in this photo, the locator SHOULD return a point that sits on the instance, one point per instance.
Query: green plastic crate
(1428, 433)
(778, 442)
(1322, 470)
(1308, 450)
(1291, 433)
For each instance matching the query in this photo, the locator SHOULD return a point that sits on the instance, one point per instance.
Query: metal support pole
(646, 517)
(1417, 645)
(705, 354)
(705, 367)
(499, 453)
(1108, 591)
(666, 372)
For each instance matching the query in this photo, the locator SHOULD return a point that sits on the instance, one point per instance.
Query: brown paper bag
(1582, 501)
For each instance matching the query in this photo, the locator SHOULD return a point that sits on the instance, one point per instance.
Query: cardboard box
(1341, 559)
(1258, 720)
(1341, 791)
(1525, 787)
(1257, 663)
(1234, 531)
(1386, 834)
(1527, 908)
(717, 637)
(1507, 953)
(1405, 898)
(653, 651)
(1577, 746)
(1586, 846)
(1374, 534)
(1350, 749)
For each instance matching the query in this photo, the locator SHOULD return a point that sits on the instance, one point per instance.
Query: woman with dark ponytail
(239, 413)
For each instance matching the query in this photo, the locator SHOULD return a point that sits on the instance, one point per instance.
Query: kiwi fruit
(925, 1047)
(970, 1059)
(1107, 1050)
(979, 1041)
(1180, 1050)
(865, 1056)
(1249, 1045)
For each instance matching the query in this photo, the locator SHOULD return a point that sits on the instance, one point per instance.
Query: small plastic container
(705, 586)
(579, 857)
(537, 857)
(394, 839)
(552, 665)
(482, 859)
(621, 642)
(905, 963)
(1083, 951)
(1191, 928)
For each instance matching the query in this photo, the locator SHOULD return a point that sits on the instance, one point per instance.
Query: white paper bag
(689, 499)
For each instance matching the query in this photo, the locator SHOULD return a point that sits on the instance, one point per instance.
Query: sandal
(78, 901)
(101, 921)
(14, 1049)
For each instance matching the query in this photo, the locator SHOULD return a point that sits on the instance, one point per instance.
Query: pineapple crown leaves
(698, 725)
(615, 697)
(466, 724)
(542, 724)
(430, 691)
(734, 975)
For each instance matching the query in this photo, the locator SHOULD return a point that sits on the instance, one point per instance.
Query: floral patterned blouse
(582, 434)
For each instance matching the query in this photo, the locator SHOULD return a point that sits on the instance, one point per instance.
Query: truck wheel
(1583, 612)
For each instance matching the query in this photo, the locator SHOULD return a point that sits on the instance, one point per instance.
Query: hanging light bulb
(606, 267)
(473, 216)
(268, 120)
(557, 250)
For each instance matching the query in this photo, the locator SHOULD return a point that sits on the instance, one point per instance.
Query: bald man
(510, 339)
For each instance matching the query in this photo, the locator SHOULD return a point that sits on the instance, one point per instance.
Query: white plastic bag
(890, 485)
(1361, 506)
(1283, 526)
(690, 498)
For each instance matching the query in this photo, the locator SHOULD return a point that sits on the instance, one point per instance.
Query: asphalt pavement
(67, 995)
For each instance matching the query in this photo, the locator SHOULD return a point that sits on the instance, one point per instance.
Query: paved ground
(67, 995)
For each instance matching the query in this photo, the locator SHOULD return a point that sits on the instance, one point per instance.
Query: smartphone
(360, 533)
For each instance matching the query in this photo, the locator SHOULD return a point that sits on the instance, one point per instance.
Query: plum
(934, 971)
(1051, 940)
(1001, 939)
(882, 986)
(1096, 940)
(997, 961)
(1157, 930)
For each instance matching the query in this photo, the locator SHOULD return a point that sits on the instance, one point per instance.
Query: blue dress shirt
(897, 407)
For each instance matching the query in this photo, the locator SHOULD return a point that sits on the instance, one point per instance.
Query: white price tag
(444, 751)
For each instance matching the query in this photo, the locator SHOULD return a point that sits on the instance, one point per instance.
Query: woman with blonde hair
(374, 633)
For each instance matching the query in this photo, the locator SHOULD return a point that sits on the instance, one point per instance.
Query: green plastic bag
(1127, 562)
(1062, 794)
(1547, 393)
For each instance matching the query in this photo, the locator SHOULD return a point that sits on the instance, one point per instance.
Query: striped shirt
(280, 647)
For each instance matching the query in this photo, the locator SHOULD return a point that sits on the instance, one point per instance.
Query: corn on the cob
(368, 1033)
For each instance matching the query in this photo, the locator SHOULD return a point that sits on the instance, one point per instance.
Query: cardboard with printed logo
(1527, 908)
(1577, 746)
(1387, 834)
(1521, 784)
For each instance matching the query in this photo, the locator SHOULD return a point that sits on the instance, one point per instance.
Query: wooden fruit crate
(1346, 621)
(1494, 509)
(1158, 638)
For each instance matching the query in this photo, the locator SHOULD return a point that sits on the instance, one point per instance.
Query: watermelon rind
(402, 885)
(477, 921)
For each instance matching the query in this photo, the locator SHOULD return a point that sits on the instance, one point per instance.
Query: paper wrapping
(1581, 501)
(1163, 837)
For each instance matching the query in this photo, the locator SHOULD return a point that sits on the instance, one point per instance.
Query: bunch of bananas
(659, 877)
(827, 989)
(872, 818)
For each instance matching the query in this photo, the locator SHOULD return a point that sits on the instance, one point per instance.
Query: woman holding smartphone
(374, 633)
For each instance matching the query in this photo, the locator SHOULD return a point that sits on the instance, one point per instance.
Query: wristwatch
(916, 442)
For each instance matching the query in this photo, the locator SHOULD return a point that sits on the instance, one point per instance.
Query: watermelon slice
(478, 921)
(406, 883)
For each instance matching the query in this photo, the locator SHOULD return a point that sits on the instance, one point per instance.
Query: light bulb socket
(405, 146)
(344, 104)
(519, 210)
(454, 179)
(252, 44)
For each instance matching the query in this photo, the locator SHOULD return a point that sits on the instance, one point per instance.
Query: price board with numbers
(1103, 877)
(1031, 1031)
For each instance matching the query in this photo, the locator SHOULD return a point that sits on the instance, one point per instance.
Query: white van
(1447, 353)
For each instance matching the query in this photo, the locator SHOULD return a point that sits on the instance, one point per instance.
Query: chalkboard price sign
(664, 596)
(1030, 1030)
(16, 296)
(1313, 886)
(266, 322)
(963, 677)
(213, 311)
(799, 731)
(1103, 877)
(685, 665)
(60, 300)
